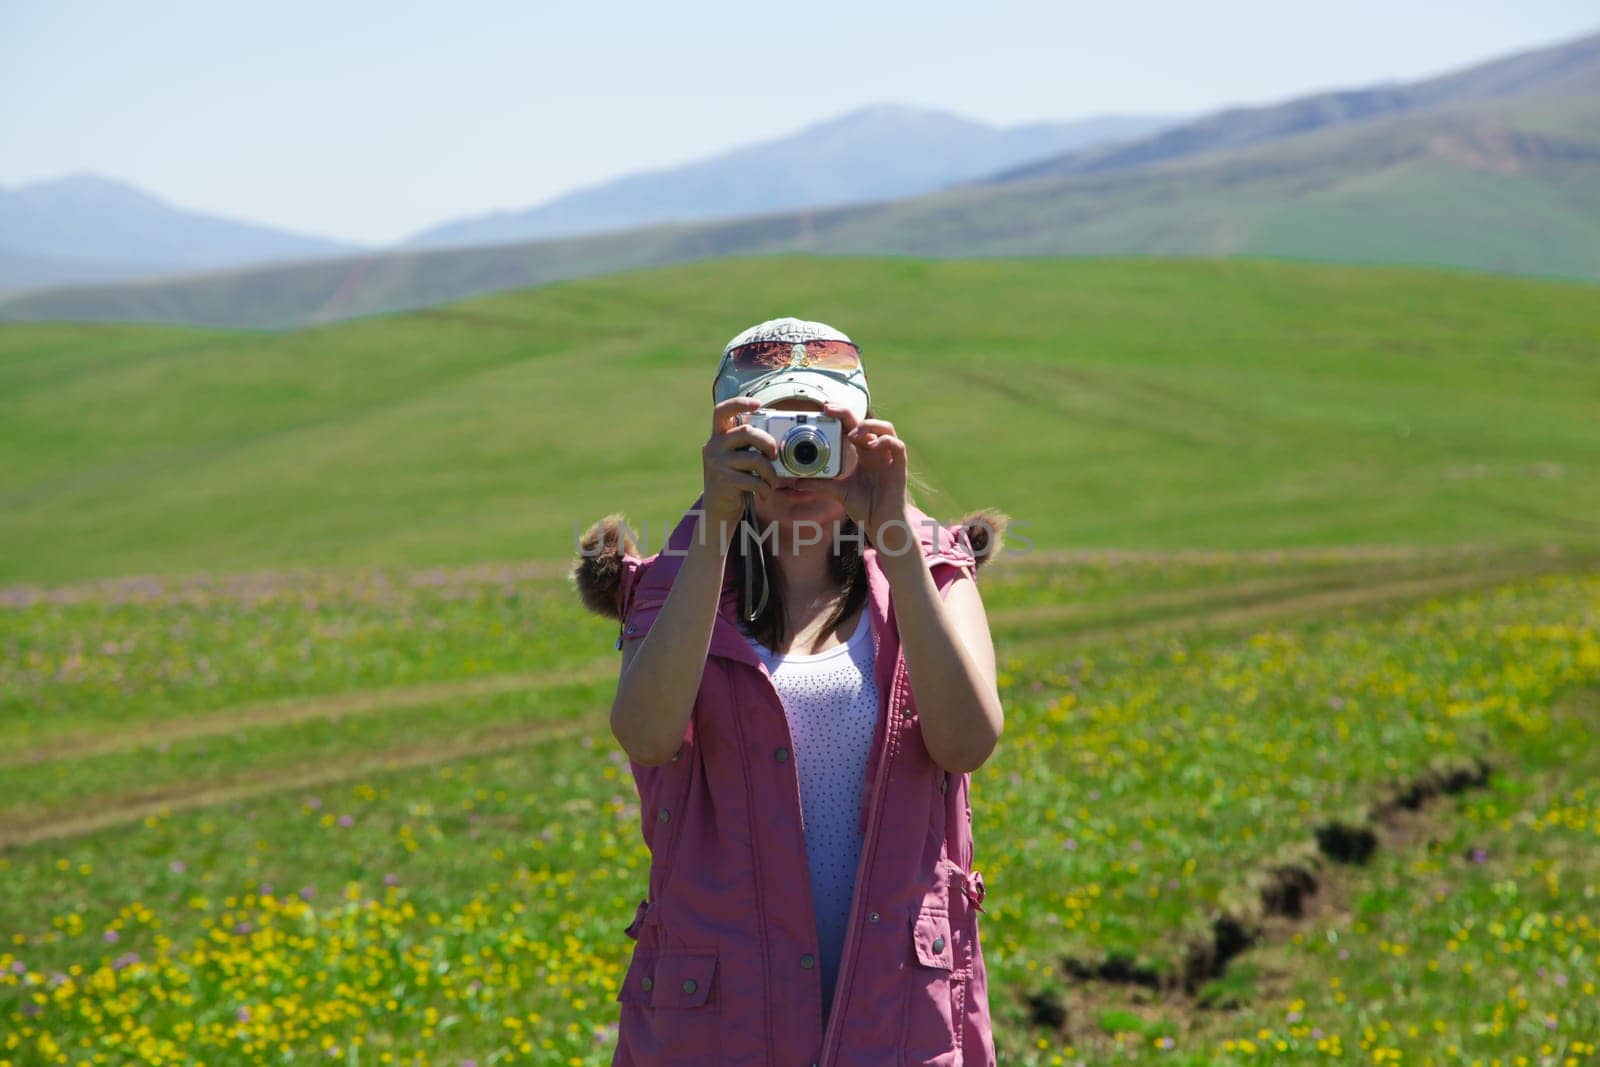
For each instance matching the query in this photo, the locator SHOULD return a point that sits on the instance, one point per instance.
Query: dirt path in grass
(249, 586)
(1208, 598)
(1377, 594)
(287, 712)
(115, 809)
(1015, 556)
(1126, 616)
(1184, 610)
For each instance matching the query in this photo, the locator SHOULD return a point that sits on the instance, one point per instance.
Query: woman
(807, 683)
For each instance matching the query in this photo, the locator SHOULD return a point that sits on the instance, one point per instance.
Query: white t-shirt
(831, 702)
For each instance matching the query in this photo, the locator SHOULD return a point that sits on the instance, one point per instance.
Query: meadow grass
(305, 729)
(1130, 403)
(471, 909)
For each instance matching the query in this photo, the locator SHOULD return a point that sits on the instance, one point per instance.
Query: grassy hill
(1120, 402)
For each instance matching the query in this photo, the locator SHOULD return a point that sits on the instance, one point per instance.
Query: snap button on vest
(938, 944)
(807, 960)
(781, 755)
(664, 815)
(688, 985)
(873, 917)
(648, 983)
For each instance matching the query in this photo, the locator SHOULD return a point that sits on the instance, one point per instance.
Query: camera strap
(746, 524)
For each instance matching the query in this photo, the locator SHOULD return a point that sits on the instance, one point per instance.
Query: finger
(847, 418)
(760, 465)
(725, 415)
(889, 443)
(879, 447)
(747, 436)
(750, 482)
(877, 426)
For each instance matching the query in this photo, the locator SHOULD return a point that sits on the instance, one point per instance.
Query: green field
(1132, 404)
(306, 731)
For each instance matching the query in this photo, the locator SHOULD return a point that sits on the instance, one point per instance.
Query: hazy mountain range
(874, 153)
(1566, 70)
(89, 228)
(1493, 167)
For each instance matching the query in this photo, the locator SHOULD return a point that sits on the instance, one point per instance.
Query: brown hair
(847, 566)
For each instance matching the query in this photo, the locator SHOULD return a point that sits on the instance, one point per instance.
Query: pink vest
(724, 970)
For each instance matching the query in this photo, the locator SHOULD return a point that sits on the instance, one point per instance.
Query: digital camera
(810, 444)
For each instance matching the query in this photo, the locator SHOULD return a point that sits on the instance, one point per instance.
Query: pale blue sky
(368, 121)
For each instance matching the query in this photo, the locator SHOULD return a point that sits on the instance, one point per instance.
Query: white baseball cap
(803, 371)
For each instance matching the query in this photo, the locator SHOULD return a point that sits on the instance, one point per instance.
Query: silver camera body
(810, 444)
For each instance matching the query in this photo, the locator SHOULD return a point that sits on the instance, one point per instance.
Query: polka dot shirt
(831, 701)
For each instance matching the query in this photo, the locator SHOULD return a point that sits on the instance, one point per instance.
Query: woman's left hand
(875, 492)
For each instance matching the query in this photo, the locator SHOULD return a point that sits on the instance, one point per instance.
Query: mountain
(88, 228)
(874, 153)
(1503, 176)
(19, 270)
(1565, 70)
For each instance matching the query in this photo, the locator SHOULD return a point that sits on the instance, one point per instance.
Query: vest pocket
(668, 997)
(928, 1029)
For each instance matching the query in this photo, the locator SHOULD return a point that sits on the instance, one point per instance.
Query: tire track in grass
(130, 806)
(287, 712)
(1046, 557)
(1210, 596)
(100, 812)
(1377, 595)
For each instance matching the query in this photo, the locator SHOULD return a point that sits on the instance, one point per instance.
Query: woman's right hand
(731, 467)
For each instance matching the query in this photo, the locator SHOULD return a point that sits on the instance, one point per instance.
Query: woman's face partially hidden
(793, 501)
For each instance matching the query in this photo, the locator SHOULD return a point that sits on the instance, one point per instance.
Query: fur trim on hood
(608, 546)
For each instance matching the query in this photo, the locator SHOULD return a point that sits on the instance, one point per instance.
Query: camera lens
(805, 451)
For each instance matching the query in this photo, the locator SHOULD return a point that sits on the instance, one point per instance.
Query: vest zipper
(839, 985)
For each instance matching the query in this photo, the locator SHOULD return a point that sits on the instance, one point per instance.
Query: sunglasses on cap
(772, 355)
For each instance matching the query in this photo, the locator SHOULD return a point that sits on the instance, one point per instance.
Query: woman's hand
(875, 492)
(730, 466)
